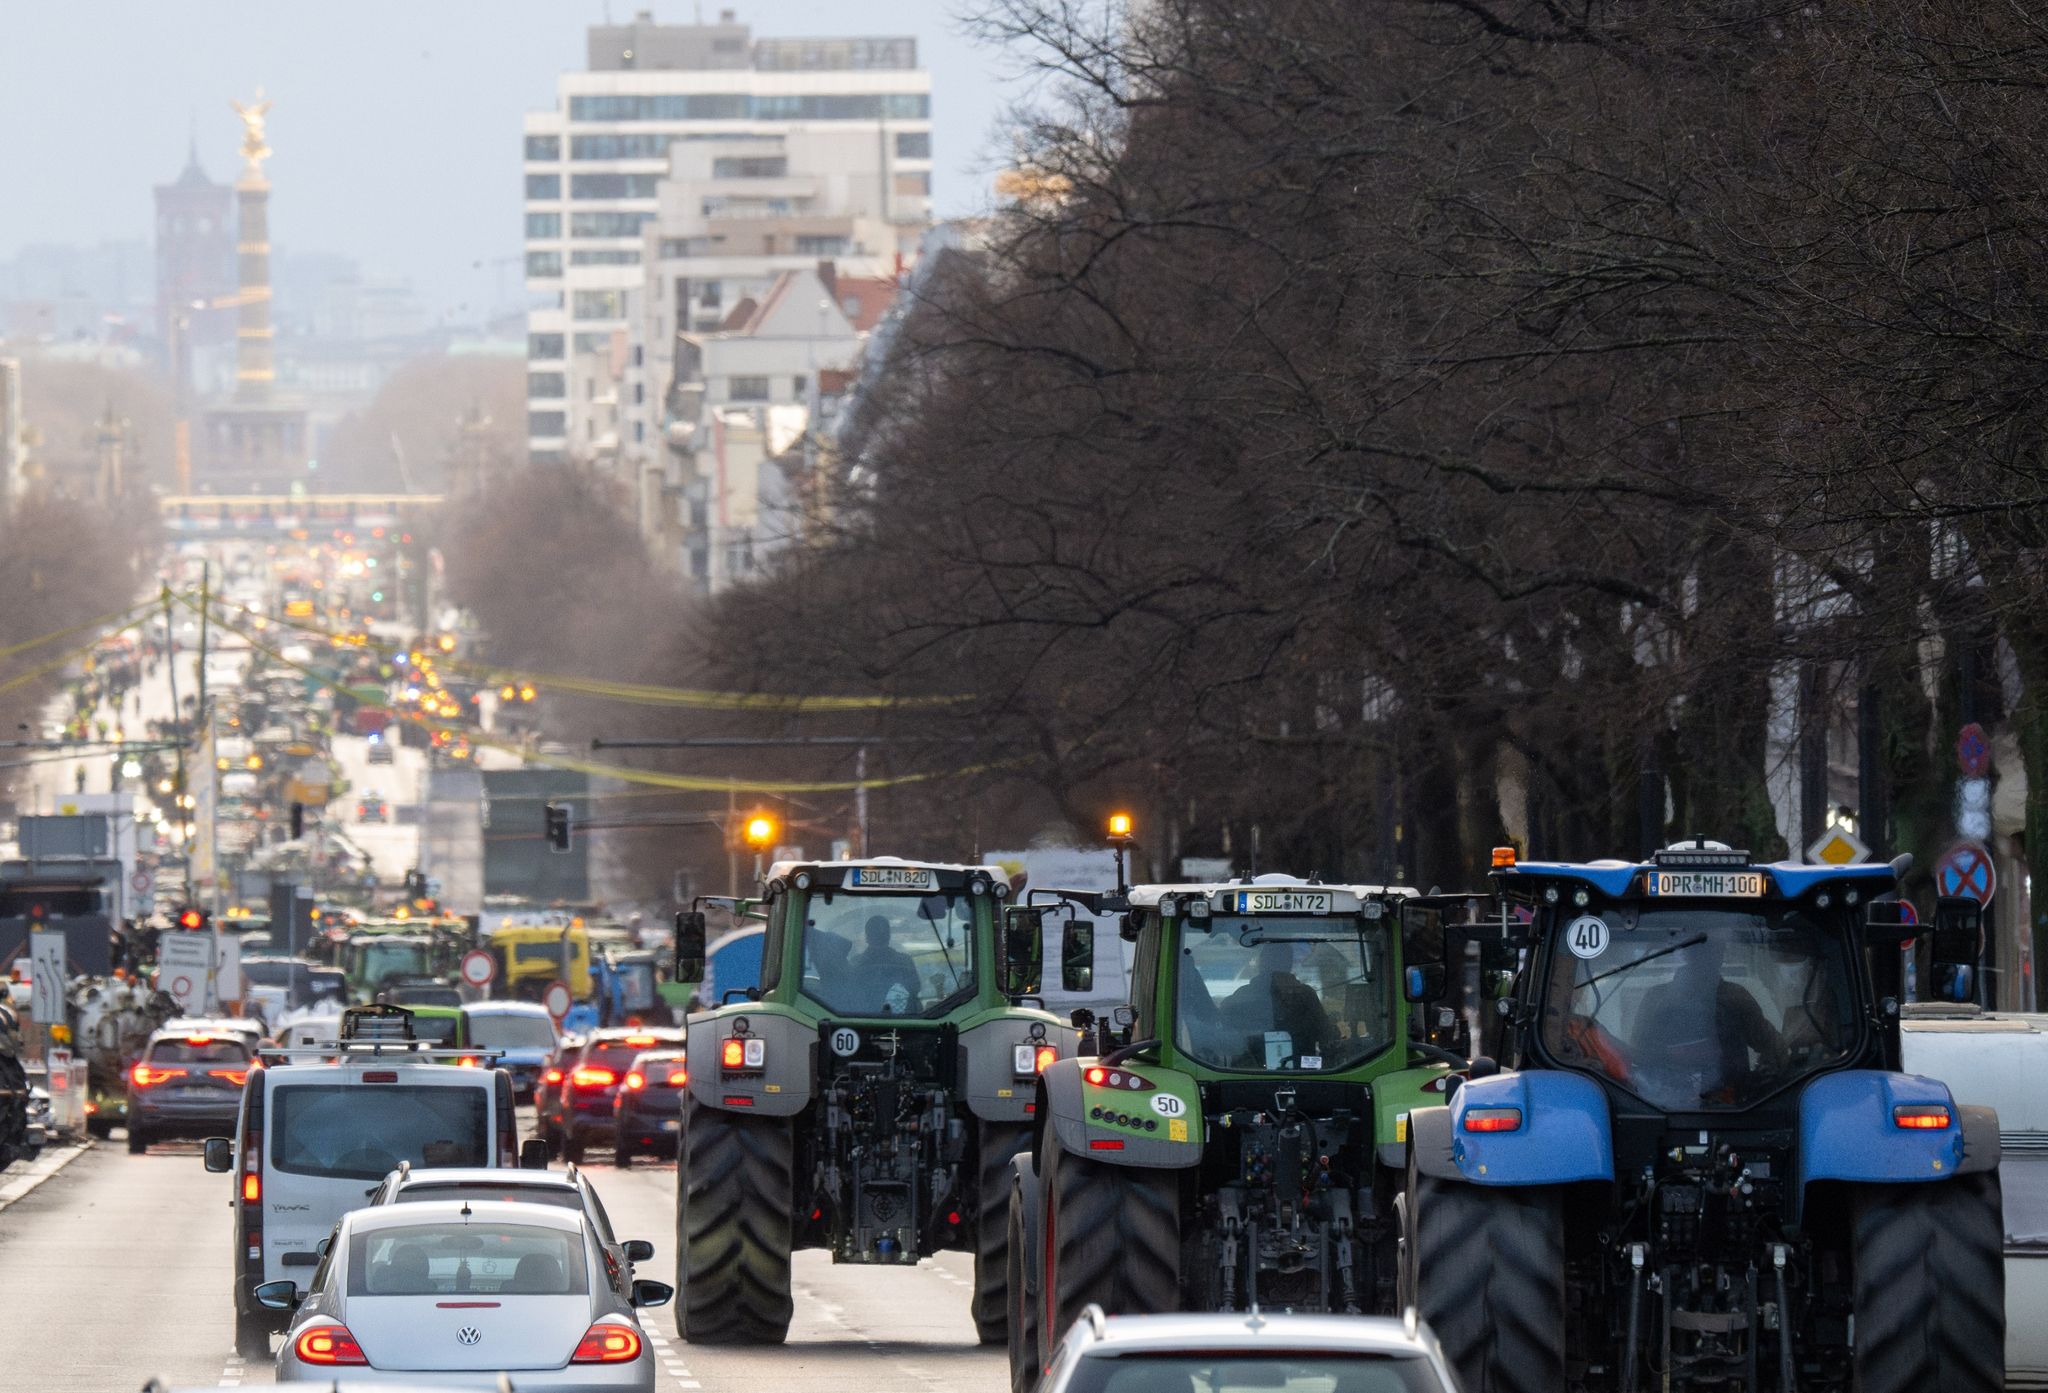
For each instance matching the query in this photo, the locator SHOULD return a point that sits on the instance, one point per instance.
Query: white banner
(184, 963)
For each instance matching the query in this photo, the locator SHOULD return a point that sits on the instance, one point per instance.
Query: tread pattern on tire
(1488, 1269)
(1024, 1304)
(736, 1184)
(1115, 1235)
(998, 1145)
(1930, 1286)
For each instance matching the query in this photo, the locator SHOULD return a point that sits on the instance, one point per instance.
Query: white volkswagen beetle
(454, 1294)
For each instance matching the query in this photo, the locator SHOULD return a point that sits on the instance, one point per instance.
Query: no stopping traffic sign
(1965, 869)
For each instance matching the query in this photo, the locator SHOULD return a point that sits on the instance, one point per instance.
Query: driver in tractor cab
(1279, 1000)
(880, 972)
(1699, 1027)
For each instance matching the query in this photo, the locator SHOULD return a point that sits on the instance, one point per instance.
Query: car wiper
(1692, 942)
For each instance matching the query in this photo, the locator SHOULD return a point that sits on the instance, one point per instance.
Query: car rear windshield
(220, 1049)
(627, 1050)
(559, 1196)
(484, 1258)
(363, 1130)
(273, 974)
(511, 1032)
(1255, 1372)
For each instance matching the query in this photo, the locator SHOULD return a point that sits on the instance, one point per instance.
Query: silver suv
(1235, 1353)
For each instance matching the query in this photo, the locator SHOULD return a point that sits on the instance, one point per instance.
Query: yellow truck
(532, 955)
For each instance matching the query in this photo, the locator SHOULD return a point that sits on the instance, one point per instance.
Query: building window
(713, 295)
(635, 145)
(639, 432)
(605, 256)
(798, 385)
(673, 248)
(599, 304)
(913, 145)
(821, 246)
(593, 343)
(541, 226)
(916, 183)
(749, 167)
(540, 385)
(735, 106)
(608, 224)
(612, 185)
(749, 389)
(639, 393)
(639, 355)
(544, 147)
(546, 425)
(543, 186)
(544, 347)
(543, 264)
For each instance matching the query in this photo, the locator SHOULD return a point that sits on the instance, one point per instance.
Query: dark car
(545, 1089)
(410, 992)
(186, 1086)
(581, 1103)
(647, 1111)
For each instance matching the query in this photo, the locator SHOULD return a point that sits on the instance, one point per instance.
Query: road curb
(46, 1165)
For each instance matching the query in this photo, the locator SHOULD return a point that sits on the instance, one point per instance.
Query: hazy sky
(397, 121)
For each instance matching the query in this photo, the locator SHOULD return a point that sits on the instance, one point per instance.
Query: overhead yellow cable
(652, 695)
(68, 655)
(689, 783)
(80, 627)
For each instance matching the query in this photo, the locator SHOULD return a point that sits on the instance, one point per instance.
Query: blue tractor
(1702, 1167)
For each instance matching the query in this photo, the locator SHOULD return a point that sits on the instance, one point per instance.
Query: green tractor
(1238, 1138)
(866, 1097)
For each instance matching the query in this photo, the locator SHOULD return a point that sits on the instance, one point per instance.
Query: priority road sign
(555, 1000)
(478, 967)
(1837, 846)
(1965, 869)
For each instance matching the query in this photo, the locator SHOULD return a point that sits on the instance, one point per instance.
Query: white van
(2000, 1060)
(318, 1130)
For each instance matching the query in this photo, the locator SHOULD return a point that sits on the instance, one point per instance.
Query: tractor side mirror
(1958, 931)
(1077, 955)
(689, 963)
(1422, 953)
(1957, 946)
(1023, 950)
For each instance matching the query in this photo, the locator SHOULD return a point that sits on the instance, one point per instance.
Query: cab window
(362, 1131)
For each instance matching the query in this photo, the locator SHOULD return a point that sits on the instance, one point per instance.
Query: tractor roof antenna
(1253, 873)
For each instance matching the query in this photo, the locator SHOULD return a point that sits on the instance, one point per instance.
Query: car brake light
(468, 1061)
(678, 1076)
(606, 1343)
(1932, 1118)
(144, 1076)
(380, 1076)
(198, 1039)
(252, 1188)
(552, 1076)
(328, 1344)
(237, 1077)
(640, 1041)
(1493, 1119)
(635, 1079)
(593, 1078)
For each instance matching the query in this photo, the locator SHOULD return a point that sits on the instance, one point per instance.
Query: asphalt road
(116, 1269)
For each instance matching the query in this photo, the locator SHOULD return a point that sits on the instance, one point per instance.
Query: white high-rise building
(831, 132)
(12, 451)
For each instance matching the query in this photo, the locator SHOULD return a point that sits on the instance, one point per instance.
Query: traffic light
(558, 826)
(193, 919)
(760, 831)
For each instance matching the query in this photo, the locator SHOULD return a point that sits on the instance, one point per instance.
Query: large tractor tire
(998, 1146)
(1027, 1307)
(1485, 1267)
(734, 1229)
(1929, 1262)
(1112, 1239)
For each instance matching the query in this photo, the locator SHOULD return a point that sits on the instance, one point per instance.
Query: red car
(578, 1111)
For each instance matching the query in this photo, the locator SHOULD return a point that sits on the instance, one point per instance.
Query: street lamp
(760, 835)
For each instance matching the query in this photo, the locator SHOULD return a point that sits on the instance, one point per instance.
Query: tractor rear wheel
(1026, 1359)
(735, 1183)
(999, 1144)
(1485, 1265)
(1929, 1260)
(252, 1336)
(1112, 1239)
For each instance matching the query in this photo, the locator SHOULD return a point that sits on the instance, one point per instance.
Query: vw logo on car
(469, 1335)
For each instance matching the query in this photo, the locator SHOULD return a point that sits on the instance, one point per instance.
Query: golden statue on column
(254, 148)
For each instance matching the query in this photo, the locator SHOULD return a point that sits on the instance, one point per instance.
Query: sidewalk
(16, 1181)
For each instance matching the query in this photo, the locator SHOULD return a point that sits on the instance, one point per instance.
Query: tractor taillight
(1493, 1119)
(743, 1052)
(1928, 1118)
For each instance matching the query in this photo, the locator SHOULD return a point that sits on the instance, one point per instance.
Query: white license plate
(891, 878)
(1732, 885)
(1284, 901)
(668, 1124)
